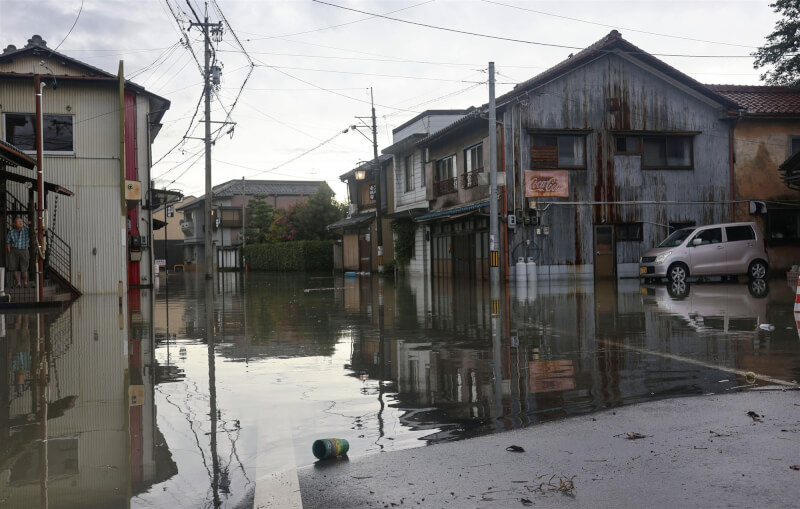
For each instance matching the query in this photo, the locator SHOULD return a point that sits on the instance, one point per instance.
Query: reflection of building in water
(75, 387)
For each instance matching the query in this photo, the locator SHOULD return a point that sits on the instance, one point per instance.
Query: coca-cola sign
(540, 184)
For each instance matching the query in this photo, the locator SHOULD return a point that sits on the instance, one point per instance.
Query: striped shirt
(19, 239)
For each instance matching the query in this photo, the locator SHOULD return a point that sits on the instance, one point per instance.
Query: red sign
(539, 184)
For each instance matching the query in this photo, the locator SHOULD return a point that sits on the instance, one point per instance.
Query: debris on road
(631, 435)
(557, 483)
(754, 416)
(515, 448)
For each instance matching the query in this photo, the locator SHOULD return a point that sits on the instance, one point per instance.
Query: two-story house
(358, 250)
(97, 132)
(410, 178)
(766, 141)
(229, 199)
(614, 149)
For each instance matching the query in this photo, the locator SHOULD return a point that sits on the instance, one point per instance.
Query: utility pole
(39, 86)
(209, 221)
(377, 185)
(494, 243)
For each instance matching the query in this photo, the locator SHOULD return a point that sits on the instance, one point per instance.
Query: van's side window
(710, 236)
(737, 233)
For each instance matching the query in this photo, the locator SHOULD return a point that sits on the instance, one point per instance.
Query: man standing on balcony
(18, 242)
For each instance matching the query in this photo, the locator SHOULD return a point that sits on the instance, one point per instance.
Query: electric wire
(80, 10)
(509, 39)
(617, 26)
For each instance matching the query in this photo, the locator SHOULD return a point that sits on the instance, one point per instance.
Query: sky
(314, 65)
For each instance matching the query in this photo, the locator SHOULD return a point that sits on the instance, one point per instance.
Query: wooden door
(604, 256)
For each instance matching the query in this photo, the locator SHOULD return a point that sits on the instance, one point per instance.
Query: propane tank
(522, 276)
(530, 267)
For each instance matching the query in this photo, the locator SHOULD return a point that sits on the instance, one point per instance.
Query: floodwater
(210, 395)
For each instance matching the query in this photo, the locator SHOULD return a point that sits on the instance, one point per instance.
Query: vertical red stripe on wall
(131, 173)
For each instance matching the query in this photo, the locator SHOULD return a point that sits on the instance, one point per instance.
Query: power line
(69, 32)
(335, 26)
(423, 78)
(617, 26)
(511, 39)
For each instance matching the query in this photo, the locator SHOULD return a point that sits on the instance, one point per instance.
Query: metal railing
(446, 186)
(470, 179)
(14, 208)
(59, 255)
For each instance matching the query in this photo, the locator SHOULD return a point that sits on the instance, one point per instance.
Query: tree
(309, 220)
(782, 51)
(260, 216)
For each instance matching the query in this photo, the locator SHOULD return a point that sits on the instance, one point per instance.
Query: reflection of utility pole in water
(41, 367)
(497, 361)
(381, 360)
(212, 388)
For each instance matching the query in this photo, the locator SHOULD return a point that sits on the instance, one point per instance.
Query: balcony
(446, 186)
(470, 179)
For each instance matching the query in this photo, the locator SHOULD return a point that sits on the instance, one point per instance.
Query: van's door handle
(720, 247)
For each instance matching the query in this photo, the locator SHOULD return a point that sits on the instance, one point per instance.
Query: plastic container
(325, 448)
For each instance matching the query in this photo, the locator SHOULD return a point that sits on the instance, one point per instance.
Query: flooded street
(207, 395)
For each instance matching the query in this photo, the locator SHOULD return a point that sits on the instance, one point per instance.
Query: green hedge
(298, 256)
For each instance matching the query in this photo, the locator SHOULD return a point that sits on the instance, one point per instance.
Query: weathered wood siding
(648, 101)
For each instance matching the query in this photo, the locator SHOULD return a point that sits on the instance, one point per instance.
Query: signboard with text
(541, 184)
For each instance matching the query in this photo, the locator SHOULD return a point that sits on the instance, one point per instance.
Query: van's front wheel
(677, 273)
(757, 270)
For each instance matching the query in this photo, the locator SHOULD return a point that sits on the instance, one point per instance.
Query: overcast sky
(301, 47)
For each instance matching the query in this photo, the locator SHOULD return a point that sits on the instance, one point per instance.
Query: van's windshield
(677, 238)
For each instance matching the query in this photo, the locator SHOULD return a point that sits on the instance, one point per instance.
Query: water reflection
(212, 396)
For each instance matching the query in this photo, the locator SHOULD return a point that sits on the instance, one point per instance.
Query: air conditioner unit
(133, 190)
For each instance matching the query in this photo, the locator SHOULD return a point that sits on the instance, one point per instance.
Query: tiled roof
(434, 214)
(14, 156)
(268, 187)
(762, 100)
(354, 220)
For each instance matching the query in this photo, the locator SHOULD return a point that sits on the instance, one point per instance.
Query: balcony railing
(470, 179)
(446, 186)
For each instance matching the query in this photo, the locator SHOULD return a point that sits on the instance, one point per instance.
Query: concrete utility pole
(39, 86)
(494, 227)
(244, 224)
(377, 167)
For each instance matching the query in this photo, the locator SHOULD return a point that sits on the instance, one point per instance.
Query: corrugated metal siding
(92, 218)
(579, 100)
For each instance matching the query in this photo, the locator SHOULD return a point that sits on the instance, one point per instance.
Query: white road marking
(277, 485)
(696, 362)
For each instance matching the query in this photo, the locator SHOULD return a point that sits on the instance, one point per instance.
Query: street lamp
(361, 174)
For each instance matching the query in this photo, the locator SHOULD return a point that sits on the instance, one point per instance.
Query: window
(629, 232)
(628, 145)
(58, 132)
(737, 233)
(231, 217)
(710, 236)
(561, 151)
(446, 175)
(679, 225)
(473, 159)
(408, 171)
(422, 174)
(795, 145)
(446, 168)
(664, 152)
(783, 226)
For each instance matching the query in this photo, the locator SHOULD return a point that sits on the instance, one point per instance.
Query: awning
(158, 224)
(11, 155)
(352, 221)
(790, 171)
(452, 212)
(48, 186)
(408, 213)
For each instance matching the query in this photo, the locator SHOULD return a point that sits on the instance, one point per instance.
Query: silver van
(727, 249)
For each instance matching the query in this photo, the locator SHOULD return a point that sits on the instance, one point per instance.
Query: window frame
(582, 135)
(451, 157)
(792, 141)
(408, 172)
(770, 220)
(468, 159)
(33, 119)
(628, 152)
(667, 138)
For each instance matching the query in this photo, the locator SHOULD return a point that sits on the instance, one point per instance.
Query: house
(168, 235)
(766, 141)
(610, 150)
(229, 199)
(98, 129)
(455, 158)
(410, 178)
(359, 230)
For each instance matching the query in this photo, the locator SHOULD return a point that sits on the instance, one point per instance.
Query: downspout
(39, 86)
(150, 204)
(123, 208)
